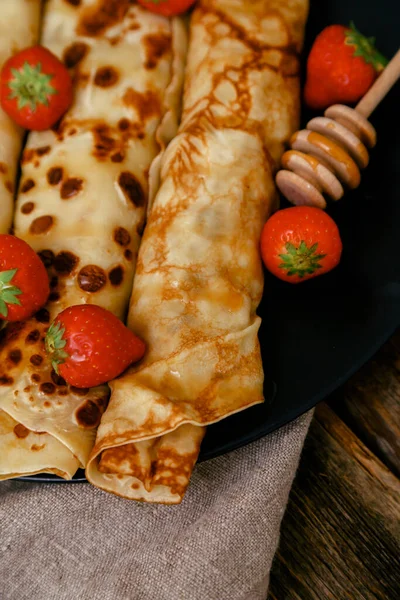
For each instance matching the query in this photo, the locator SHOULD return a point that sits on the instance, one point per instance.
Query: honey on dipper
(325, 158)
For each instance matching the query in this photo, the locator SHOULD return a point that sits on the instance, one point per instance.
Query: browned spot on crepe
(156, 46)
(41, 224)
(116, 275)
(92, 278)
(47, 257)
(131, 188)
(27, 155)
(9, 186)
(106, 76)
(104, 143)
(88, 415)
(57, 379)
(36, 447)
(27, 185)
(42, 150)
(74, 53)
(42, 316)
(21, 431)
(36, 359)
(3, 168)
(117, 157)
(121, 236)
(32, 336)
(73, 2)
(123, 124)
(35, 377)
(183, 466)
(79, 391)
(96, 19)
(47, 388)
(54, 175)
(54, 281)
(71, 187)
(121, 454)
(128, 254)
(27, 208)
(31, 154)
(65, 262)
(15, 356)
(6, 380)
(13, 331)
(146, 104)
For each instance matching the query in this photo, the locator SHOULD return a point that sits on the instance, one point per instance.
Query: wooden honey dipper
(333, 148)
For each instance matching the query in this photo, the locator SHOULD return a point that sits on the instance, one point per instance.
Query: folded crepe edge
(39, 447)
(165, 480)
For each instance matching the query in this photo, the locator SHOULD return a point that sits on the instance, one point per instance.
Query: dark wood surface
(340, 537)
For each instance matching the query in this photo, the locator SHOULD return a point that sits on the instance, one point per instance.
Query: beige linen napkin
(76, 542)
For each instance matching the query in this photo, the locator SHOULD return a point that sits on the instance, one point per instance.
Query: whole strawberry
(88, 345)
(24, 283)
(341, 67)
(299, 243)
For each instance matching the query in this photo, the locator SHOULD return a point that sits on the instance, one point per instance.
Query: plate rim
(250, 438)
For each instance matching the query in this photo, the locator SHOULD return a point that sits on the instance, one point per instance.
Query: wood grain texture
(340, 537)
(370, 404)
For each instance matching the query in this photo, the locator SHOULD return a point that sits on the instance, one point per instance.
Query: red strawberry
(89, 346)
(24, 283)
(35, 88)
(341, 67)
(299, 243)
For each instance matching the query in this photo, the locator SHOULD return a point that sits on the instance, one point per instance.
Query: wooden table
(340, 536)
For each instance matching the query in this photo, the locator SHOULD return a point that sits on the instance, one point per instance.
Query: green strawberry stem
(301, 261)
(55, 345)
(365, 47)
(8, 291)
(30, 86)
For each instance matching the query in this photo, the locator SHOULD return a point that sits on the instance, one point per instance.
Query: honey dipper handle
(382, 85)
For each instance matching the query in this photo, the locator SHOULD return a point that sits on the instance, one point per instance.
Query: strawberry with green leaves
(24, 283)
(35, 88)
(341, 67)
(88, 345)
(300, 243)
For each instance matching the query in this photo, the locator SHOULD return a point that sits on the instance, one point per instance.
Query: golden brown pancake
(199, 278)
(81, 205)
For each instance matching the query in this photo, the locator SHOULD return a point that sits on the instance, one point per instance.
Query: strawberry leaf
(3, 308)
(30, 86)
(8, 291)
(54, 344)
(302, 260)
(365, 48)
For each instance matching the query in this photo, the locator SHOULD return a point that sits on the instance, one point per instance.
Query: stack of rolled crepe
(199, 278)
(19, 27)
(81, 206)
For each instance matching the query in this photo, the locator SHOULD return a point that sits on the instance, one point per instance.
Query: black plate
(315, 335)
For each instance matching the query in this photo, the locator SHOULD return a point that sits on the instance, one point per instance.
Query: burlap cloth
(75, 542)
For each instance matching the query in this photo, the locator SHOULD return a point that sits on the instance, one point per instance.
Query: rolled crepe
(19, 27)
(199, 278)
(81, 206)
